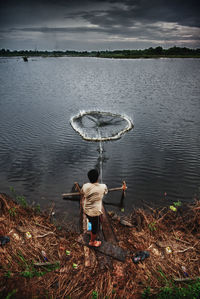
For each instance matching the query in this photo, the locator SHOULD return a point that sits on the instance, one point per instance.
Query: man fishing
(93, 193)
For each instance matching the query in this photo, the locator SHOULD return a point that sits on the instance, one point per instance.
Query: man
(93, 194)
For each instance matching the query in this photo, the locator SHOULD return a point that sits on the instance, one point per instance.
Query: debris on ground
(41, 259)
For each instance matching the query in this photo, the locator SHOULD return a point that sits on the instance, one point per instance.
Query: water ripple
(42, 156)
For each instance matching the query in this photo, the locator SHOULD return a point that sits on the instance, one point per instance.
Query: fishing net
(101, 126)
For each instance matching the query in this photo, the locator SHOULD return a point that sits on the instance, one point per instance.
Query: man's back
(93, 193)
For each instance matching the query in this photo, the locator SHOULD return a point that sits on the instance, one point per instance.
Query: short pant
(95, 221)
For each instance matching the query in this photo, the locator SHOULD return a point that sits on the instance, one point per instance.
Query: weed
(94, 295)
(113, 291)
(173, 292)
(12, 190)
(7, 274)
(12, 211)
(20, 255)
(152, 226)
(188, 292)
(13, 292)
(146, 293)
(163, 276)
(37, 208)
(20, 199)
(177, 203)
(29, 270)
(27, 274)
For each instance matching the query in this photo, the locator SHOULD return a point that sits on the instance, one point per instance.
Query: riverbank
(44, 260)
(158, 52)
(111, 56)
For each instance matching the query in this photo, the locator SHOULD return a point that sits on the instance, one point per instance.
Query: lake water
(41, 156)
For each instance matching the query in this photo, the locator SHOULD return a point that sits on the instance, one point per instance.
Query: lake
(41, 156)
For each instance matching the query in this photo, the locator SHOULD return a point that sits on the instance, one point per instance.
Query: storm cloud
(98, 25)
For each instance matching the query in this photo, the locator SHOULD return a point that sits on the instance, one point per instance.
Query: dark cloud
(156, 20)
(128, 12)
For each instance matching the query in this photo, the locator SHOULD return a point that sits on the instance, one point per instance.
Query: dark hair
(93, 175)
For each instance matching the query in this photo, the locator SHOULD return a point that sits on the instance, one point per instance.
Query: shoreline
(106, 56)
(23, 263)
(150, 53)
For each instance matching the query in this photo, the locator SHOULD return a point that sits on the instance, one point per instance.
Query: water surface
(41, 155)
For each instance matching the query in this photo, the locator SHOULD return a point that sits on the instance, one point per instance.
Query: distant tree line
(147, 53)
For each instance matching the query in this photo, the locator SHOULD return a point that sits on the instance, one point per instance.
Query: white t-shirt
(93, 195)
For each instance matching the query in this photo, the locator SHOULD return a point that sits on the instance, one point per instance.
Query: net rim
(118, 135)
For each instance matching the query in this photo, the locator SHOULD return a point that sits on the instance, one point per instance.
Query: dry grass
(160, 229)
(152, 231)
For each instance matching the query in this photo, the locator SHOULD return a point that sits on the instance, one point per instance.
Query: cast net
(101, 126)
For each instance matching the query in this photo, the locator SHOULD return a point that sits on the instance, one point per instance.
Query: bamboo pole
(123, 187)
(70, 194)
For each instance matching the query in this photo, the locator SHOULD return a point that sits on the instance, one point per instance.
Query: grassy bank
(171, 235)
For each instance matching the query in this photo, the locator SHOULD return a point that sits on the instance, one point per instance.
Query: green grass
(177, 203)
(94, 295)
(190, 290)
(152, 226)
(11, 294)
(19, 198)
(12, 211)
(37, 208)
(7, 274)
(28, 269)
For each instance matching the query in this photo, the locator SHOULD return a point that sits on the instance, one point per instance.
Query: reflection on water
(41, 155)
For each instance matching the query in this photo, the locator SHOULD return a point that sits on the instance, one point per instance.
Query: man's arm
(106, 190)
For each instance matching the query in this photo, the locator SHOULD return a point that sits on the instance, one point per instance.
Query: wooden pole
(70, 194)
(65, 195)
(124, 187)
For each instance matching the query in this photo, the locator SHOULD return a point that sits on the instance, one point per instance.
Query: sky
(86, 25)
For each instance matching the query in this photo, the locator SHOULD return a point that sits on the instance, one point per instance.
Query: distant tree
(173, 51)
(98, 54)
(158, 50)
(149, 51)
(2, 51)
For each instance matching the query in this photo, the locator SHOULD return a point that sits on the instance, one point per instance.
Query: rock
(115, 217)
(156, 252)
(111, 213)
(125, 223)
(16, 237)
(139, 223)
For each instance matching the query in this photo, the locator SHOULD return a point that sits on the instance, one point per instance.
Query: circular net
(100, 126)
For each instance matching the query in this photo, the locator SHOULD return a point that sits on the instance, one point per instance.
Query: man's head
(93, 175)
